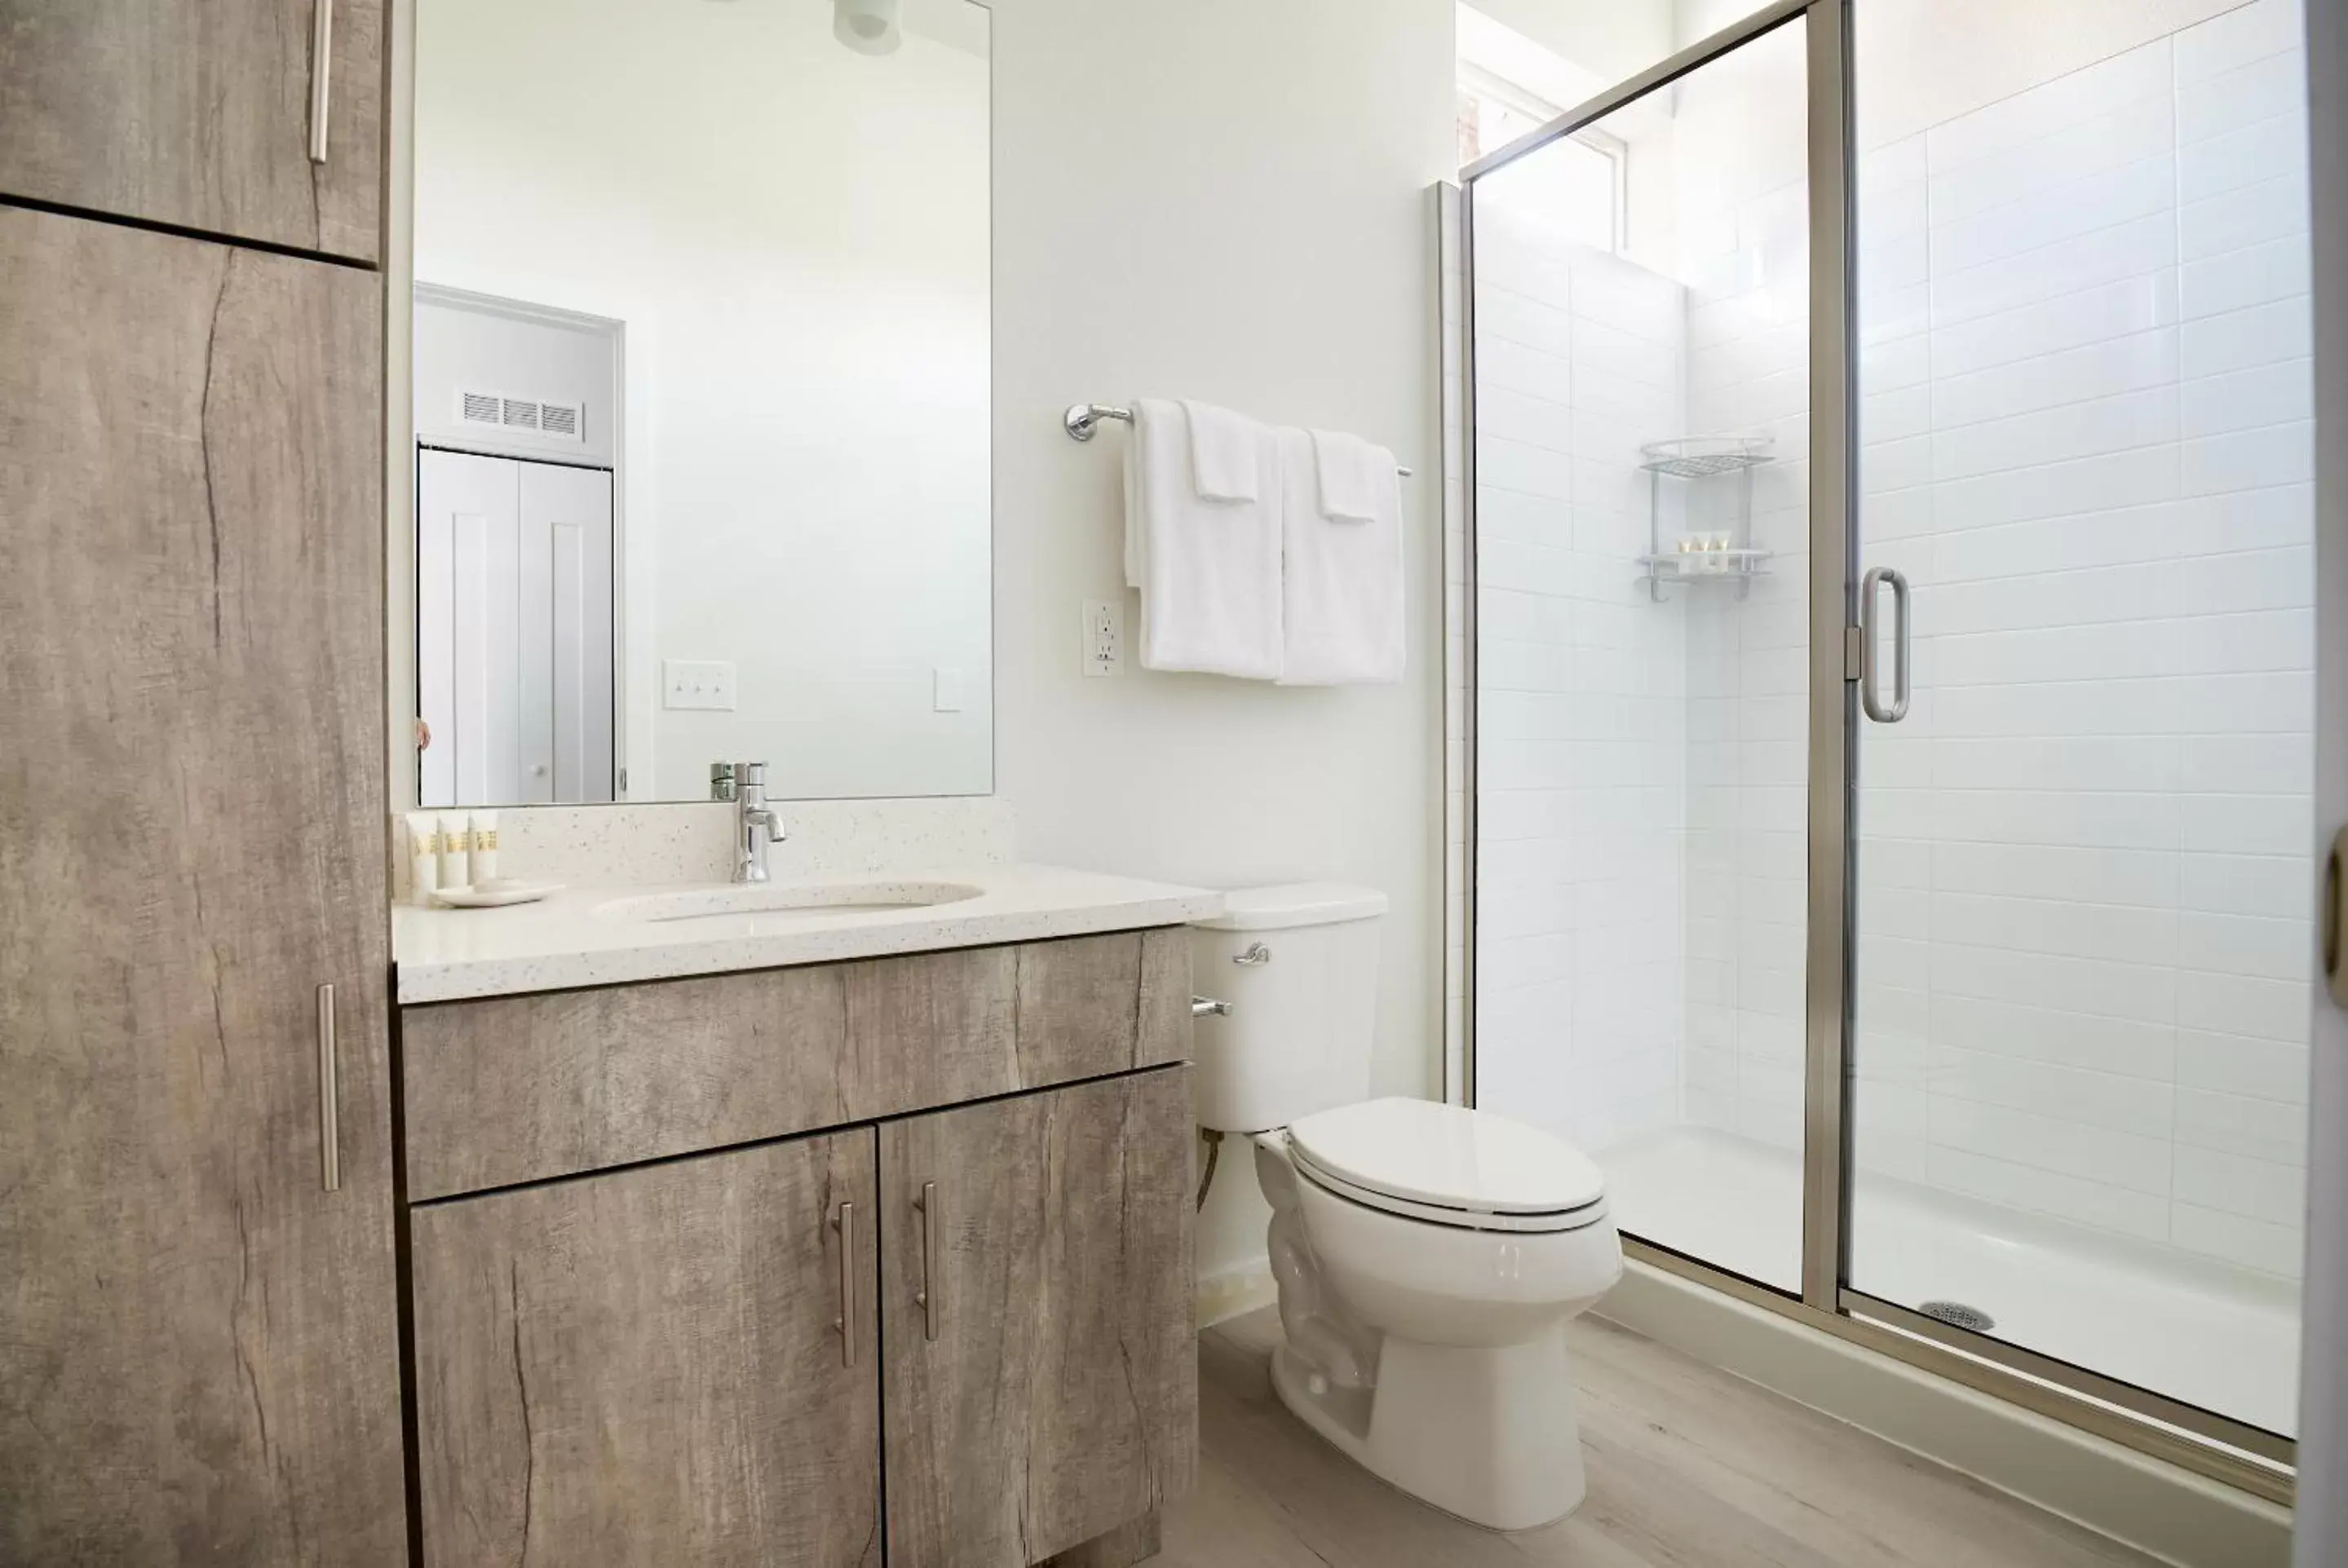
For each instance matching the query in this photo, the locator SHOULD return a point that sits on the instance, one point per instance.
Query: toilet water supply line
(1207, 1007)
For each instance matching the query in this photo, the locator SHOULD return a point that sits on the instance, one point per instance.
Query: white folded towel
(1353, 475)
(1226, 448)
(1209, 571)
(1341, 581)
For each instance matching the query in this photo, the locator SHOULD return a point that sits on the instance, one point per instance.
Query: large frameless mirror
(701, 399)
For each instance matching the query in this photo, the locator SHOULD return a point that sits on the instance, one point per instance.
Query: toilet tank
(1298, 964)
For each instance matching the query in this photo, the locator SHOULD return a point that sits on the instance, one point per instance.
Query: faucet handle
(753, 774)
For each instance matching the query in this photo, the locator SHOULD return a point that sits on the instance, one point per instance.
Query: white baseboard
(1235, 1291)
(2156, 1507)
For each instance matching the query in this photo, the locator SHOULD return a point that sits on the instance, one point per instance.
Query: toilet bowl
(1427, 1256)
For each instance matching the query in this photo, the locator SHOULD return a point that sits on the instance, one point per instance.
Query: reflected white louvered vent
(521, 415)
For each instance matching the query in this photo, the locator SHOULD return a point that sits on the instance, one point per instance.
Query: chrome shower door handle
(1871, 653)
(322, 74)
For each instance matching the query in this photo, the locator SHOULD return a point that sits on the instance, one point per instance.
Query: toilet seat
(1448, 1165)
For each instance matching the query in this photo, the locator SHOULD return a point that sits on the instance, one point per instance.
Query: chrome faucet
(755, 825)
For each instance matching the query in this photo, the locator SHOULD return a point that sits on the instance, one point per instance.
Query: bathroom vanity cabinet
(215, 118)
(689, 1257)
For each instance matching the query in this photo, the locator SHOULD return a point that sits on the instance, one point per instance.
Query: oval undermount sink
(806, 900)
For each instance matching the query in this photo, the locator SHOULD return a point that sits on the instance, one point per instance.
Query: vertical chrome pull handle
(322, 74)
(1871, 653)
(330, 1111)
(845, 1224)
(927, 1296)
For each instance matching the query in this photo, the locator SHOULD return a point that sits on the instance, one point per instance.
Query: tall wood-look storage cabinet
(198, 1348)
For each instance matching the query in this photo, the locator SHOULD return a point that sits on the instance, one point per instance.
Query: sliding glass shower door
(1892, 728)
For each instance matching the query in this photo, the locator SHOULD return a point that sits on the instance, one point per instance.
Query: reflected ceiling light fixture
(867, 26)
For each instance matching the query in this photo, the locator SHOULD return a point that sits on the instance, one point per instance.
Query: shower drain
(1957, 1315)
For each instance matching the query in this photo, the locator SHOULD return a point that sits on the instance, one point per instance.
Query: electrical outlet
(1104, 637)
(697, 683)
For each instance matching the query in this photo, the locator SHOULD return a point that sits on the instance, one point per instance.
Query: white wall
(795, 237)
(1221, 200)
(1609, 38)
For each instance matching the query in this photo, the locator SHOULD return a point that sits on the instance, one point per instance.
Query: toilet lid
(1447, 1157)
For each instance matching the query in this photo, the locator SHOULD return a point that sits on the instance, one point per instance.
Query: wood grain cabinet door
(199, 114)
(1036, 1308)
(199, 1356)
(671, 1365)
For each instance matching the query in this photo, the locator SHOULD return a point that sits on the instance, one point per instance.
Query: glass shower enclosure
(1888, 685)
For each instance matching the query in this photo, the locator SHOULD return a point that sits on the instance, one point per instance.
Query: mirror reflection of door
(514, 630)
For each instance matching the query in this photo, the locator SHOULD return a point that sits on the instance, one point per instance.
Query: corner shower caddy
(1703, 458)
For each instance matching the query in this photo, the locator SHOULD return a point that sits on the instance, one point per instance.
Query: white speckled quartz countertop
(572, 939)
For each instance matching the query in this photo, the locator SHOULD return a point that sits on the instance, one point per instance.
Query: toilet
(1427, 1256)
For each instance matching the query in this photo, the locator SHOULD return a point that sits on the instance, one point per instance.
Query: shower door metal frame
(2240, 1455)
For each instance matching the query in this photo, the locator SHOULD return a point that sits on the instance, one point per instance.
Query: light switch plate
(946, 689)
(697, 683)
(1104, 637)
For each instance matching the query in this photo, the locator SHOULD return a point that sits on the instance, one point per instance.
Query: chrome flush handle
(1256, 953)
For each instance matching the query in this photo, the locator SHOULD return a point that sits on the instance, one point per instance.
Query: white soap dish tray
(495, 894)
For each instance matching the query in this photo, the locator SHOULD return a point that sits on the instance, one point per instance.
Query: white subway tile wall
(2083, 957)
(1581, 716)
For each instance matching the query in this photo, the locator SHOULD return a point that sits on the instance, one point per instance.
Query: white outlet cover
(697, 683)
(1104, 637)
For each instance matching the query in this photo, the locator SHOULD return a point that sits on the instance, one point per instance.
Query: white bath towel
(1352, 475)
(1209, 571)
(1342, 594)
(1226, 451)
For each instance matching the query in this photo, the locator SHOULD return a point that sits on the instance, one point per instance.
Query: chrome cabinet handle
(322, 73)
(1207, 1007)
(330, 1111)
(926, 1298)
(1871, 684)
(845, 1224)
(1257, 953)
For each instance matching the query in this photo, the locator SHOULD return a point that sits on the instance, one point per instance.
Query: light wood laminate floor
(1689, 1468)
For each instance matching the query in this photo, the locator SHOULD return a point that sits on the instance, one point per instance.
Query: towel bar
(1083, 418)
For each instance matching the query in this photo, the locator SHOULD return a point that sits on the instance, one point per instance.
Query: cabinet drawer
(515, 1088)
